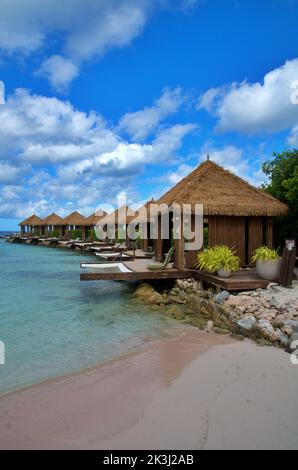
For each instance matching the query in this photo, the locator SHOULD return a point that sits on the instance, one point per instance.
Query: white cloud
(2, 92)
(141, 123)
(59, 71)
(82, 30)
(10, 173)
(293, 137)
(232, 158)
(57, 154)
(256, 107)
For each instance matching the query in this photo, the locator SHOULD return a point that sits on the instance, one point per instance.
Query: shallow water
(52, 324)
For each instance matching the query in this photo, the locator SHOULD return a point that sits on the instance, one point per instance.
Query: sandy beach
(194, 391)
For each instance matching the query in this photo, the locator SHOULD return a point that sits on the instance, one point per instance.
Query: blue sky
(103, 97)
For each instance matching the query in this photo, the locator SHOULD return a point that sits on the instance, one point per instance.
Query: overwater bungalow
(33, 225)
(92, 221)
(116, 223)
(75, 225)
(235, 213)
(143, 213)
(53, 225)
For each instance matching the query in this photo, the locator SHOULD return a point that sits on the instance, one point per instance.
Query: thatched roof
(94, 218)
(144, 211)
(75, 218)
(222, 193)
(120, 216)
(53, 219)
(33, 220)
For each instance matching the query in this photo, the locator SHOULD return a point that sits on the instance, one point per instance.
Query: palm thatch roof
(75, 218)
(222, 193)
(144, 211)
(53, 219)
(122, 215)
(94, 218)
(33, 220)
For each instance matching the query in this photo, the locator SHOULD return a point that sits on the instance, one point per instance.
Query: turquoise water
(52, 324)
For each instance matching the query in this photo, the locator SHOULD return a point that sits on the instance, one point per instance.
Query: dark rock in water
(221, 297)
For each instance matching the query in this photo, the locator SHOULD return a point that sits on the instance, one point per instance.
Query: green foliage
(74, 234)
(212, 259)
(265, 254)
(54, 234)
(283, 184)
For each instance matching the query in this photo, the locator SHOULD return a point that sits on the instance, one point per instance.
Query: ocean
(53, 324)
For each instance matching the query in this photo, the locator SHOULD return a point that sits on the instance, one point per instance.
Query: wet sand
(195, 391)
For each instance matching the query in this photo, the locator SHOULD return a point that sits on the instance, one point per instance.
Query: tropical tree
(283, 184)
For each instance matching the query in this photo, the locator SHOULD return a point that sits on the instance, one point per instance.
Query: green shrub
(54, 234)
(212, 259)
(265, 254)
(74, 234)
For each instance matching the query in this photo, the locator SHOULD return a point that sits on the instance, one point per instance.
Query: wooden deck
(246, 279)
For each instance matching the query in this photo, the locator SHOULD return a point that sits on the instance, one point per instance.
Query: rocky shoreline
(269, 316)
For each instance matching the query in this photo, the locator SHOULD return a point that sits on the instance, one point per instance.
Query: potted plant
(268, 263)
(220, 259)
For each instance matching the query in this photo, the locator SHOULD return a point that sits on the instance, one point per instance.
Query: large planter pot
(269, 270)
(223, 273)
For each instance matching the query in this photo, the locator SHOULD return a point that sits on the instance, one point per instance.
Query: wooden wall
(255, 235)
(228, 231)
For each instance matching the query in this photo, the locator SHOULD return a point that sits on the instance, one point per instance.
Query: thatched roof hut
(122, 215)
(53, 219)
(32, 221)
(94, 218)
(75, 218)
(222, 193)
(236, 213)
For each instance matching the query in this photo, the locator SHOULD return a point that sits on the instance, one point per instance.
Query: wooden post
(158, 242)
(269, 231)
(287, 267)
(179, 248)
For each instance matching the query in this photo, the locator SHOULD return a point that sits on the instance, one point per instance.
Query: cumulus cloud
(293, 137)
(256, 107)
(233, 158)
(59, 71)
(82, 30)
(58, 154)
(2, 92)
(141, 123)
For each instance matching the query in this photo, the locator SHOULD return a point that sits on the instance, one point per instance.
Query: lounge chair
(162, 266)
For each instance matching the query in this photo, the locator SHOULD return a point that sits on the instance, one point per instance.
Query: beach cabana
(118, 221)
(236, 213)
(75, 221)
(144, 218)
(53, 224)
(92, 221)
(33, 225)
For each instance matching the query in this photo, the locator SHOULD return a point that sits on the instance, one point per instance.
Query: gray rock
(293, 338)
(273, 302)
(247, 323)
(221, 297)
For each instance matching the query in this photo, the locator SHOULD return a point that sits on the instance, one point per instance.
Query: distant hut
(92, 221)
(144, 218)
(53, 224)
(75, 221)
(237, 214)
(32, 225)
(118, 221)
